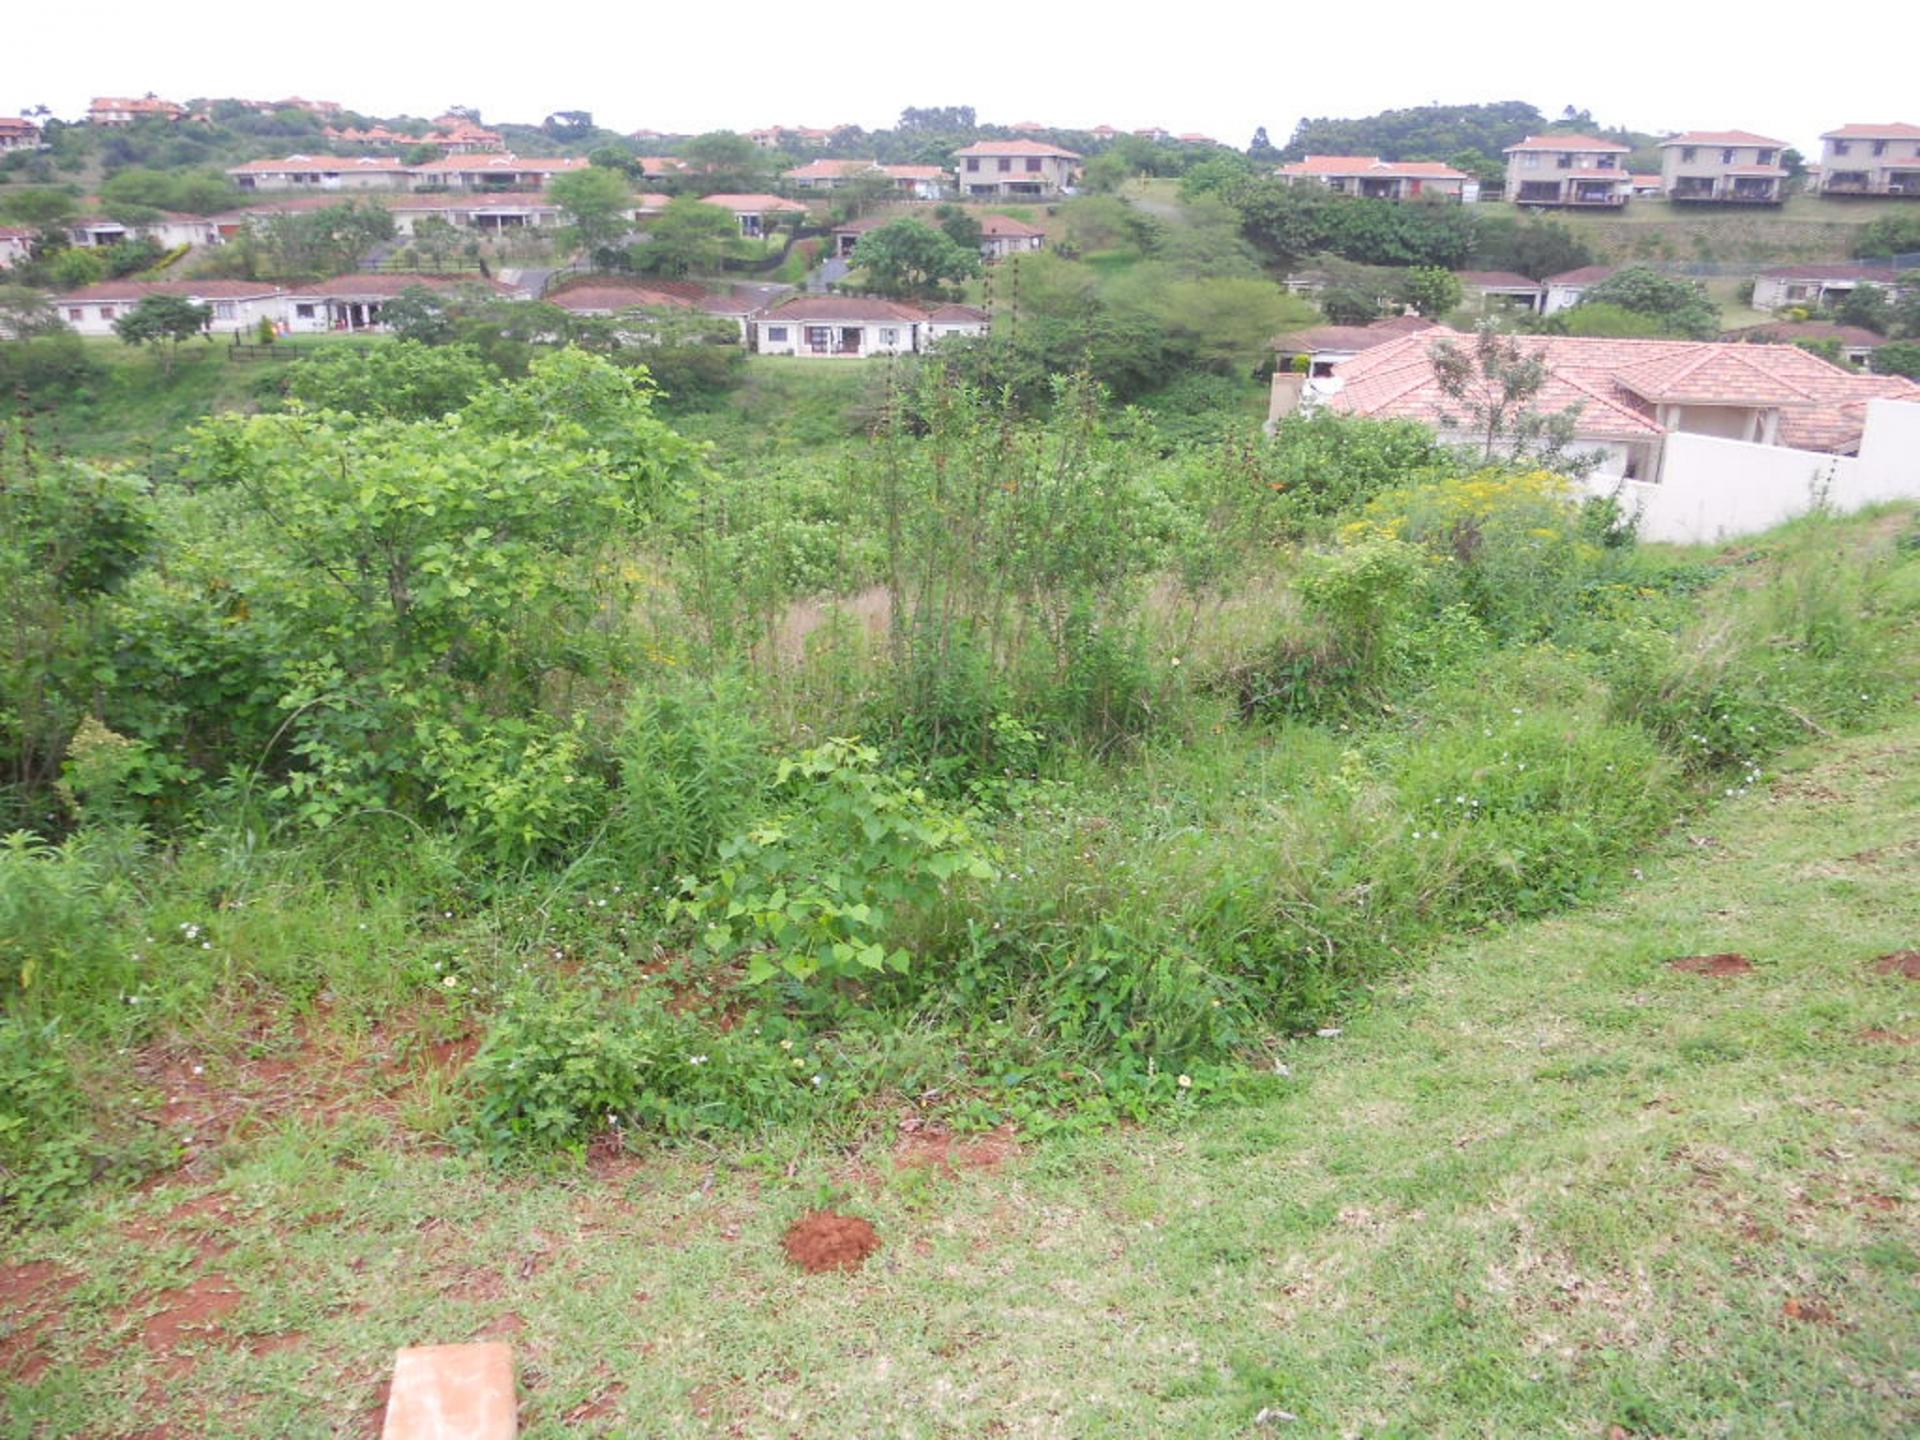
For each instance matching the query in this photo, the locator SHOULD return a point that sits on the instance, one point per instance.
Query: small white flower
(452, 982)
(1282, 1069)
(697, 1060)
(1331, 1032)
(1185, 1082)
(819, 1080)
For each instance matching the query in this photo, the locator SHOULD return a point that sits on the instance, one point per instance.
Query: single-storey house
(18, 133)
(1325, 346)
(167, 230)
(1372, 178)
(1569, 287)
(1631, 394)
(323, 172)
(1820, 284)
(1871, 159)
(354, 302)
(1002, 235)
(16, 245)
(1004, 168)
(1856, 343)
(1568, 170)
(234, 305)
(493, 172)
(116, 112)
(1503, 288)
(757, 214)
(918, 182)
(947, 320)
(846, 236)
(1725, 167)
(855, 327)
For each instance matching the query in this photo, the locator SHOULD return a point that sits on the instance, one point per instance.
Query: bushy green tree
(404, 380)
(909, 257)
(1887, 236)
(687, 237)
(1681, 306)
(1868, 307)
(596, 203)
(1490, 391)
(1898, 357)
(162, 322)
(1431, 290)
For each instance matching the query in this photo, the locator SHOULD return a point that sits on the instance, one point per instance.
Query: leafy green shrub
(44, 1133)
(402, 380)
(832, 887)
(56, 914)
(693, 769)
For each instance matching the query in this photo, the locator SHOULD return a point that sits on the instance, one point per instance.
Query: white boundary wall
(1712, 489)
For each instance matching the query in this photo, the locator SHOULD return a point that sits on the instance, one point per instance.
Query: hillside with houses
(960, 778)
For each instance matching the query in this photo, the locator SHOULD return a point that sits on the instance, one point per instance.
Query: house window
(1726, 157)
(1033, 165)
(1879, 147)
(776, 334)
(1686, 154)
(973, 162)
(889, 337)
(74, 312)
(223, 309)
(107, 312)
(303, 312)
(1005, 165)
(1840, 147)
(1764, 157)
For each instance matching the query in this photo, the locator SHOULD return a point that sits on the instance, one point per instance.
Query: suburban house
(757, 214)
(1325, 346)
(354, 302)
(659, 167)
(372, 135)
(962, 320)
(1822, 284)
(854, 327)
(236, 305)
(1726, 167)
(1856, 343)
(1002, 168)
(774, 136)
(1569, 170)
(1501, 288)
(1643, 187)
(323, 172)
(1569, 287)
(1871, 160)
(17, 133)
(493, 172)
(117, 113)
(1002, 235)
(919, 182)
(15, 245)
(463, 137)
(1372, 178)
(1630, 395)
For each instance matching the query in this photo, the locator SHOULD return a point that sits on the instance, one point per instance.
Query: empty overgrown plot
(494, 711)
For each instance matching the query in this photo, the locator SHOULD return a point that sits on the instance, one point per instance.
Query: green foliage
(596, 203)
(1681, 306)
(193, 192)
(1867, 306)
(48, 367)
(45, 1137)
(1885, 237)
(907, 257)
(1291, 222)
(162, 322)
(1490, 392)
(830, 888)
(1534, 247)
(404, 380)
(76, 269)
(1607, 320)
(1423, 132)
(1898, 357)
(32, 205)
(1431, 291)
(327, 241)
(56, 912)
(687, 237)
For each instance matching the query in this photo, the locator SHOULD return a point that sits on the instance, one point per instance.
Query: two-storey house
(1568, 170)
(1871, 160)
(999, 169)
(1728, 167)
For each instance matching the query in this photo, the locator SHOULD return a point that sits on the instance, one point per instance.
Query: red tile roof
(1005, 227)
(1374, 166)
(804, 308)
(294, 164)
(958, 315)
(914, 172)
(1016, 147)
(829, 169)
(1893, 130)
(608, 299)
(487, 164)
(190, 289)
(1724, 137)
(1618, 383)
(1567, 142)
(1881, 274)
(1585, 275)
(1355, 338)
(752, 204)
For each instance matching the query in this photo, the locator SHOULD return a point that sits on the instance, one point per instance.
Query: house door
(850, 340)
(819, 339)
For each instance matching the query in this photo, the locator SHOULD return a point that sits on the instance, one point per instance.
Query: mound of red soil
(1904, 963)
(826, 1241)
(1716, 965)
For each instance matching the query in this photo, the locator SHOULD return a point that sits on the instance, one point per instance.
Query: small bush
(56, 915)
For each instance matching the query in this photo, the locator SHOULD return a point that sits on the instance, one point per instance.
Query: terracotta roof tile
(1893, 130)
(1374, 166)
(1724, 137)
(1016, 147)
(1567, 142)
(804, 308)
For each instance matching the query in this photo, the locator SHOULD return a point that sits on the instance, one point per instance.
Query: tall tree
(910, 257)
(688, 237)
(598, 205)
(162, 322)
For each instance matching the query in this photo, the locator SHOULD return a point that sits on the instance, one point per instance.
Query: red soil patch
(1904, 963)
(1718, 966)
(29, 1307)
(193, 1312)
(920, 1147)
(823, 1241)
(1888, 1037)
(502, 1327)
(1810, 1312)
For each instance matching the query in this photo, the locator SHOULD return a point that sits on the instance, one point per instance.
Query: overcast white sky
(1199, 65)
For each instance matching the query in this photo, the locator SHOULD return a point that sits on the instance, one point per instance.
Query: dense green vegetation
(1064, 766)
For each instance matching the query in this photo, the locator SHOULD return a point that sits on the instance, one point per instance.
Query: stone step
(452, 1392)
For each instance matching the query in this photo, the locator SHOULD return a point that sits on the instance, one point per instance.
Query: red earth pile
(826, 1241)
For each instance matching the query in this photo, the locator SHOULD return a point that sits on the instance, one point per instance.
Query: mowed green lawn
(1544, 1185)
